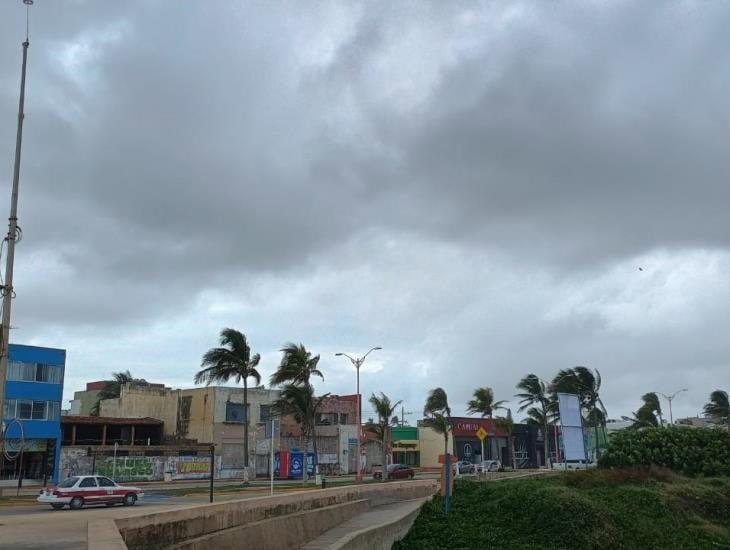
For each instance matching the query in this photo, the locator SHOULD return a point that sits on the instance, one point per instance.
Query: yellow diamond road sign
(481, 434)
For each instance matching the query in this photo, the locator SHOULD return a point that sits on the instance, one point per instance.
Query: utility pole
(403, 414)
(357, 363)
(13, 236)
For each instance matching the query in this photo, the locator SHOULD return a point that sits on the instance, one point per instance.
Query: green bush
(638, 508)
(689, 451)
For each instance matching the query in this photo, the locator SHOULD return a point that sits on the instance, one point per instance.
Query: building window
(26, 409)
(264, 413)
(235, 412)
(54, 410)
(9, 408)
(343, 418)
(325, 419)
(34, 372)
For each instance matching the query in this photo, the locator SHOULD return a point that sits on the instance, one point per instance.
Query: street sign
(442, 459)
(481, 434)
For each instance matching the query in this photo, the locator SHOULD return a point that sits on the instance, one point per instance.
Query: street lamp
(670, 398)
(357, 363)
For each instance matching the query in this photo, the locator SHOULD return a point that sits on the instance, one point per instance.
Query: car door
(110, 489)
(89, 490)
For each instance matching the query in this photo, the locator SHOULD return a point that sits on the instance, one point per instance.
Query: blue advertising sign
(296, 469)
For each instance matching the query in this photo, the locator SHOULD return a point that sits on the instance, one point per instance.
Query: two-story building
(33, 394)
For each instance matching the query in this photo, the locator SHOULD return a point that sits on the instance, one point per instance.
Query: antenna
(14, 232)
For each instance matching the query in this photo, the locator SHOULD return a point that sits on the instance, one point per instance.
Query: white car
(77, 491)
(489, 466)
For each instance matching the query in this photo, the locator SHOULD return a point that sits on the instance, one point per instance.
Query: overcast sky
(471, 186)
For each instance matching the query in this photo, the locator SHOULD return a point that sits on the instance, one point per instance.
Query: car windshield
(68, 482)
(393, 467)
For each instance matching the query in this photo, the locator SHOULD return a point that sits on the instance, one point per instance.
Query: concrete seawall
(280, 521)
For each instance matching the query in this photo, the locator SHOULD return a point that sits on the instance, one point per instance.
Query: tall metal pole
(670, 398)
(271, 442)
(357, 363)
(358, 475)
(10, 239)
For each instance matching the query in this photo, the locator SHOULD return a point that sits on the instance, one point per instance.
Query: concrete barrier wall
(280, 533)
(164, 529)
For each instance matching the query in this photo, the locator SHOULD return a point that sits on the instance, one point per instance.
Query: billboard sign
(571, 424)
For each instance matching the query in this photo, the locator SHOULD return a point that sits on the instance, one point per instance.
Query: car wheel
(129, 499)
(76, 503)
(412, 475)
(57, 506)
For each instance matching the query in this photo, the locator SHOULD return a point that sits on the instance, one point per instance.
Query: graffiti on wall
(189, 467)
(132, 468)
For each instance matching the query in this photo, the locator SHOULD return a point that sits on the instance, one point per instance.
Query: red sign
(467, 427)
(442, 459)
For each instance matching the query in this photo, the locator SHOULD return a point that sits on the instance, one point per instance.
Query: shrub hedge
(689, 451)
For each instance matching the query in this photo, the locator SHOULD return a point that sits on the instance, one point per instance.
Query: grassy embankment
(594, 509)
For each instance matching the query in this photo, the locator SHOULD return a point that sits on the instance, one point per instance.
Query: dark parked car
(396, 471)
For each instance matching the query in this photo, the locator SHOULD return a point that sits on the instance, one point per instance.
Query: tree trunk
(385, 454)
(546, 444)
(245, 424)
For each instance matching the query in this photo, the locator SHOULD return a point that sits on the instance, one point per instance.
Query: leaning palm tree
(232, 360)
(718, 407)
(112, 389)
(438, 414)
(534, 397)
(299, 401)
(297, 366)
(644, 417)
(440, 424)
(384, 409)
(484, 403)
(652, 403)
(437, 402)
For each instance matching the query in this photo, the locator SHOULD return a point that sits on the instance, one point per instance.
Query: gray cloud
(469, 186)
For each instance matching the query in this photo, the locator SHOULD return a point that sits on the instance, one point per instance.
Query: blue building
(33, 394)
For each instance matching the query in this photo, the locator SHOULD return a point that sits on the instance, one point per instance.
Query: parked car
(396, 471)
(465, 467)
(77, 491)
(490, 466)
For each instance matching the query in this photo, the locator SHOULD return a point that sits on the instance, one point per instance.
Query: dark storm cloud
(177, 151)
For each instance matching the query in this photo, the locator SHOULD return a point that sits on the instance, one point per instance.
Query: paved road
(38, 526)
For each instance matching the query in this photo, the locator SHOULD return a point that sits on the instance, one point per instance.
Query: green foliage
(577, 510)
(690, 451)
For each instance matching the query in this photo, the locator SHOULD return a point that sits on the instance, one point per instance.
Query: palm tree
(112, 389)
(384, 410)
(652, 403)
(484, 403)
(232, 360)
(535, 396)
(438, 414)
(437, 402)
(299, 401)
(718, 406)
(441, 425)
(297, 366)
